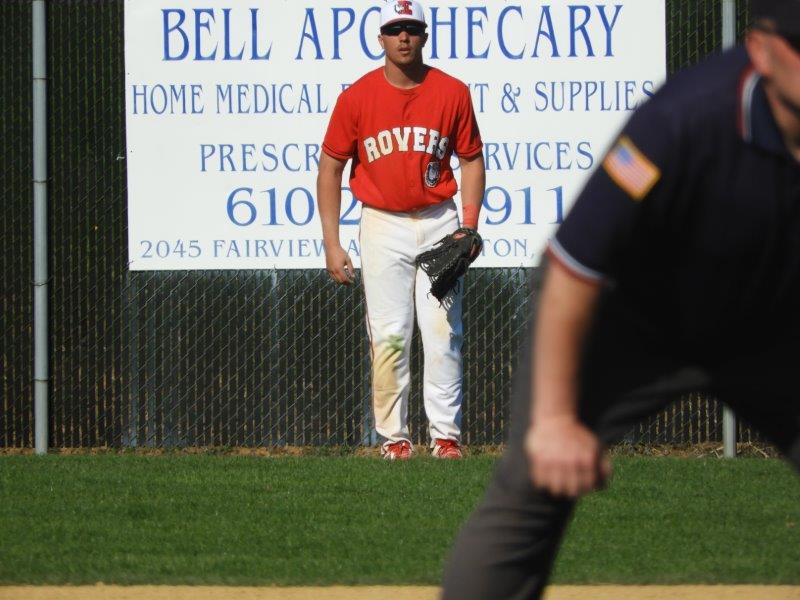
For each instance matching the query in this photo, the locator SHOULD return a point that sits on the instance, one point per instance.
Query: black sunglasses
(792, 39)
(394, 29)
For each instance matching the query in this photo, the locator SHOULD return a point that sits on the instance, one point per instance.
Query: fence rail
(216, 358)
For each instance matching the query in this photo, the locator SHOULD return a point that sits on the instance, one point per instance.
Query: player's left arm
(473, 186)
(469, 148)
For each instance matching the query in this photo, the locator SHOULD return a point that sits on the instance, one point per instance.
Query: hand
(339, 266)
(565, 458)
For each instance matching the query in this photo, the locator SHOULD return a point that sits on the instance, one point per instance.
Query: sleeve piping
(565, 259)
(335, 154)
(471, 152)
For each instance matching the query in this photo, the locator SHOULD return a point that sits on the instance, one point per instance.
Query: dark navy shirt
(694, 215)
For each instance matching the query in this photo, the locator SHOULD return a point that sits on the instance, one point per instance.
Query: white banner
(227, 108)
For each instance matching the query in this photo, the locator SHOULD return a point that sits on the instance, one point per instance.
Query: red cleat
(397, 451)
(447, 449)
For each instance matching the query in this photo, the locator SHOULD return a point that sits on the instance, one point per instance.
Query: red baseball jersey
(401, 141)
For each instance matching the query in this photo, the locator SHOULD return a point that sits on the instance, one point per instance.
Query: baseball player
(400, 124)
(677, 269)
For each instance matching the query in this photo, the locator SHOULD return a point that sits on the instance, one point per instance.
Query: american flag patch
(630, 169)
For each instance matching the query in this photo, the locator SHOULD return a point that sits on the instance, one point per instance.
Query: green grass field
(213, 519)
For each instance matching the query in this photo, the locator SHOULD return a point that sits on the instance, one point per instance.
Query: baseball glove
(449, 259)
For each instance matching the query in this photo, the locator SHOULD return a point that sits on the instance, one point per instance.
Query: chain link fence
(216, 358)
(16, 229)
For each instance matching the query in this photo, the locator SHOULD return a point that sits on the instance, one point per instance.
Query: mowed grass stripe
(670, 521)
(209, 519)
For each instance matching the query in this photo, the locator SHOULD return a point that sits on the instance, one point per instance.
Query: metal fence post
(728, 416)
(40, 276)
(130, 436)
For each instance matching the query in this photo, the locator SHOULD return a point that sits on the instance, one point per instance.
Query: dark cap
(785, 14)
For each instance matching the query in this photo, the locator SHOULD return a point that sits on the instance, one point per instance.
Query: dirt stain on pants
(386, 388)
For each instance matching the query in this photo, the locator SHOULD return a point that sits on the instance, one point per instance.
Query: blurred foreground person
(678, 269)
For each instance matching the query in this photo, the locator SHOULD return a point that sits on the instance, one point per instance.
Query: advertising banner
(227, 103)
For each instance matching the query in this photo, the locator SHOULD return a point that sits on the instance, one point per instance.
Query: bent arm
(564, 316)
(565, 457)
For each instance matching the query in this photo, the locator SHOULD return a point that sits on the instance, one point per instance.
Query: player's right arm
(338, 147)
(564, 456)
(329, 199)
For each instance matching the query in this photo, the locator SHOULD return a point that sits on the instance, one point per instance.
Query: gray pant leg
(506, 549)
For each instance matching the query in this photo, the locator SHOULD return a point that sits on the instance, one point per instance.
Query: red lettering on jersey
(403, 7)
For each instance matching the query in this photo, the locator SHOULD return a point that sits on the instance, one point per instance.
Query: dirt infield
(602, 592)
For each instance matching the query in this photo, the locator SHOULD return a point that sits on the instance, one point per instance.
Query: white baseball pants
(394, 287)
